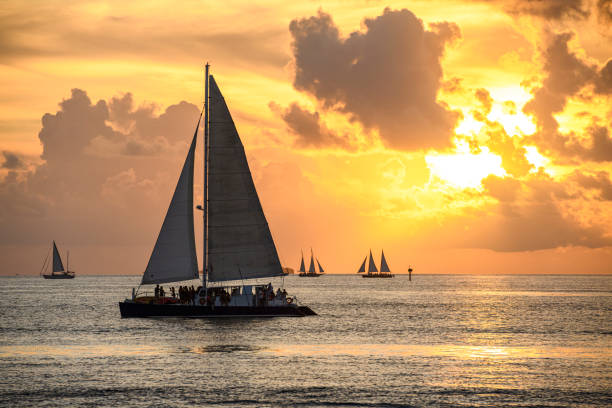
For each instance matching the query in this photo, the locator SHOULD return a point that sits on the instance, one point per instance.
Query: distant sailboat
(57, 267)
(312, 272)
(373, 272)
(238, 245)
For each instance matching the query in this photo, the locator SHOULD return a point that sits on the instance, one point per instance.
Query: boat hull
(134, 309)
(310, 274)
(58, 276)
(378, 275)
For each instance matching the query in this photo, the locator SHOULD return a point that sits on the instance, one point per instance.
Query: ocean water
(452, 340)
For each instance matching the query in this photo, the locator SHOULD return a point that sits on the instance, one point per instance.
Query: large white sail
(174, 255)
(371, 264)
(383, 263)
(240, 244)
(58, 266)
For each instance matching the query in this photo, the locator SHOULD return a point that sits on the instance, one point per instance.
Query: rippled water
(439, 341)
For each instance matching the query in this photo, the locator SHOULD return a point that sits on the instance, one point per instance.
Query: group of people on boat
(186, 294)
(264, 294)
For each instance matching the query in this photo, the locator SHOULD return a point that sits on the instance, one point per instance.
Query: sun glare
(535, 158)
(464, 169)
(468, 126)
(514, 124)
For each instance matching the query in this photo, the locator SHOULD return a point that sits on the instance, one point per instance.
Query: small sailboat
(238, 245)
(57, 266)
(372, 271)
(312, 272)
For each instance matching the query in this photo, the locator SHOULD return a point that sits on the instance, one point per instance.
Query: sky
(458, 136)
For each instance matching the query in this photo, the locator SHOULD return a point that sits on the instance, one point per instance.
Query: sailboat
(57, 266)
(238, 245)
(312, 272)
(372, 271)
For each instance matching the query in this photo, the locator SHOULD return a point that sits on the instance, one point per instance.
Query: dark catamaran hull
(58, 276)
(133, 309)
(310, 274)
(378, 275)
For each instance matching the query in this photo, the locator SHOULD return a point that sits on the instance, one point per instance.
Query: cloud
(53, 32)
(106, 172)
(566, 75)
(604, 7)
(309, 129)
(386, 77)
(549, 9)
(599, 181)
(12, 161)
(603, 83)
(530, 215)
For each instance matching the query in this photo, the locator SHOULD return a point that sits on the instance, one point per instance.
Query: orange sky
(460, 136)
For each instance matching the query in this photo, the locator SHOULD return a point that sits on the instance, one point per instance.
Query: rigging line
(45, 262)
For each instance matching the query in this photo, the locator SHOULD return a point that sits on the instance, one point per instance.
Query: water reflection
(454, 351)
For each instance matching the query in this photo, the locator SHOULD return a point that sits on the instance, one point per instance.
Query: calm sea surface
(438, 341)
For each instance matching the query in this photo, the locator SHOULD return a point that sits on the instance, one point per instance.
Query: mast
(205, 193)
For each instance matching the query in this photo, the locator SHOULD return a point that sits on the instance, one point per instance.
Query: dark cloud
(603, 83)
(604, 8)
(12, 161)
(106, 172)
(549, 9)
(599, 181)
(566, 75)
(309, 129)
(386, 77)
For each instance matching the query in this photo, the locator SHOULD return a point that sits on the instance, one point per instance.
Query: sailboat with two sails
(372, 271)
(57, 266)
(312, 272)
(238, 245)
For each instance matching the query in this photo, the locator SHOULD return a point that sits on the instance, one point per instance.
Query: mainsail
(174, 255)
(383, 263)
(240, 244)
(371, 264)
(302, 267)
(320, 268)
(362, 267)
(311, 268)
(58, 266)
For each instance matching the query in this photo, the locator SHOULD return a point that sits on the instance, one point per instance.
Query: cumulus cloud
(102, 163)
(386, 77)
(566, 75)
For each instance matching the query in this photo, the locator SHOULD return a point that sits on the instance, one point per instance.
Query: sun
(464, 169)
